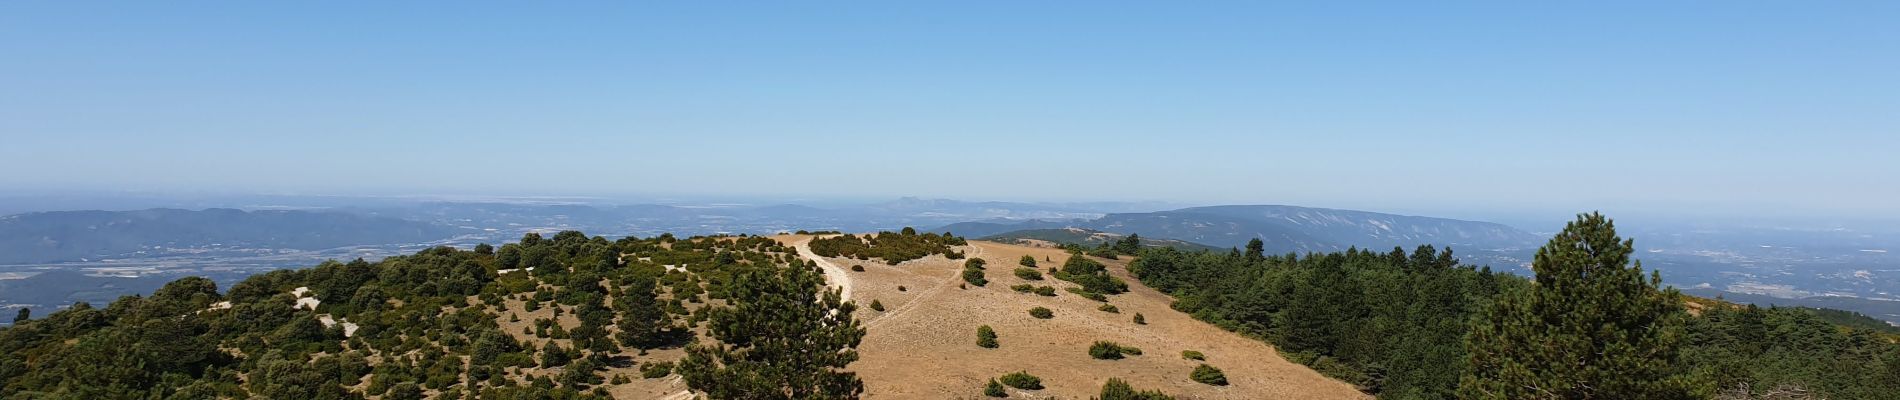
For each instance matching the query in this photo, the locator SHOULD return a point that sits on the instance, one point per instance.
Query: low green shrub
(656, 369)
(1042, 313)
(1022, 380)
(1193, 355)
(974, 263)
(1209, 375)
(1118, 389)
(985, 337)
(1088, 294)
(974, 277)
(1104, 350)
(1029, 274)
(1109, 308)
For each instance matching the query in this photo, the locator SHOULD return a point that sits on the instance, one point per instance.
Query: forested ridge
(431, 325)
(1591, 324)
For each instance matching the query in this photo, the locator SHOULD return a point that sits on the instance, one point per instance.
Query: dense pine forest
(449, 323)
(1590, 324)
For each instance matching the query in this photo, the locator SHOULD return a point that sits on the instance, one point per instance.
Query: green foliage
(1209, 375)
(1753, 350)
(1029, 274)
(1106, 350)
(1389, 322)
(642, 317)
(1130, 245)
(1088, 294)
(552, 355)
(1027, 261)
(1849, 319)
(404, 391)
(1042, 313)
(1022, 288)
(1140, 320)
(1022, 380)
(985, 337)
(778, 315)
(1046, 291)
(1118, 389)
(974, 277)
(1193, 355)
(655, 370)
(857, 268)
(877, 306)
(1091, 275)
(1109, 308)
(1256, 250)
(994, 389)
(893, 248)
(430, 318)
(975, 263)
(1593, 326)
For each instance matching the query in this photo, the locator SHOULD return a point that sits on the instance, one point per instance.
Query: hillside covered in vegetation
(1591, 324)
(561, 318)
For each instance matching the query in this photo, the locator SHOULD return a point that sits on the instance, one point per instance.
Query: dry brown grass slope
(923, 346)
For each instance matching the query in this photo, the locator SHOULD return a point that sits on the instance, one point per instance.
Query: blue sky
(1782, 108)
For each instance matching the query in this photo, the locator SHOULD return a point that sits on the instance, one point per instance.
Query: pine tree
(1591, 327)
(642, 316)
(783, 338)
(552, 355)
(1129, 245)
(1256, 250)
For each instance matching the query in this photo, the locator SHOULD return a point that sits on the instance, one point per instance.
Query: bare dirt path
(969, 252)
(835, 276)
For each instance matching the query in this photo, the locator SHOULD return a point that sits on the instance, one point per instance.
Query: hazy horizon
(1769, 110)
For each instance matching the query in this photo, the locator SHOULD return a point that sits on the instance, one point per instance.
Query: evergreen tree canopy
(784, 338)
(1592, 326)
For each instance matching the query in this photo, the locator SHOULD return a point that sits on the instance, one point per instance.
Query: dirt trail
(953, 280)
(835, 276)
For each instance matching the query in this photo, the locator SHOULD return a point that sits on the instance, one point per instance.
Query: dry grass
(924, 344)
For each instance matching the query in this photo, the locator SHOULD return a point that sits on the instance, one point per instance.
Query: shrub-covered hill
(588, 310)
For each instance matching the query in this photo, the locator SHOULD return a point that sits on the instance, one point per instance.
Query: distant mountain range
(1283, 228)
(1089, 238)
(81, 235)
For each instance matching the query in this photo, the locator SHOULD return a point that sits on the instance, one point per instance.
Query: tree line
(892, 247)
(1591, 324)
